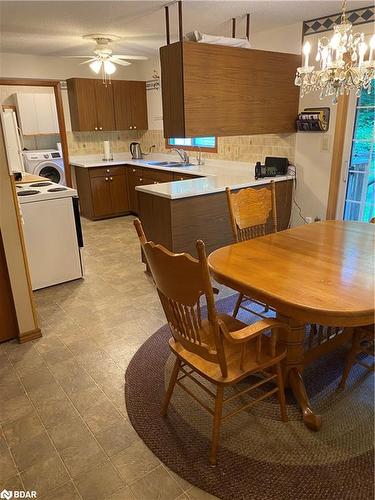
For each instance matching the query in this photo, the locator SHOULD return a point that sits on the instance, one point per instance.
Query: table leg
(293, 366)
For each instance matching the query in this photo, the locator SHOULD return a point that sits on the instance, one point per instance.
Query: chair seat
(211, 371)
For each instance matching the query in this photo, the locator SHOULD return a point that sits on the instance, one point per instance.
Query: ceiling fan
(103, 60)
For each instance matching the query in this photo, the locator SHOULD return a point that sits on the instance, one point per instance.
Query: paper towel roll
(107, 150)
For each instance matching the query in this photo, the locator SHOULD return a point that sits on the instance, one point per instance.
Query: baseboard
(30, 335)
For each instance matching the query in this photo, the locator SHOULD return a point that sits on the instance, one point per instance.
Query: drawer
(106, 171)
(158, 175)
(183, 177)
(136, 171)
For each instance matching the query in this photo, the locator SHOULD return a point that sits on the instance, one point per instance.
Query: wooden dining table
(319, 274)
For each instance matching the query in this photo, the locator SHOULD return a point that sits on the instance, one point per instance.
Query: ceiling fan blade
(92, 59)
(76, 57)
(135, 58)
(120, 62)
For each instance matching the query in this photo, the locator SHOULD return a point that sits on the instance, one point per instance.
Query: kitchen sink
(169, 164)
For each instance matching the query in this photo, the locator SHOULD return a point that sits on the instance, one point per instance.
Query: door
(139, 105)
(123, 108)
(46, 113)
(134, 179)
(119, 194)
(101, 196)
(82, 104)
(356, 200)
(104, 106)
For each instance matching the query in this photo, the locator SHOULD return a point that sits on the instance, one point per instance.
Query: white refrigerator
(12, 137)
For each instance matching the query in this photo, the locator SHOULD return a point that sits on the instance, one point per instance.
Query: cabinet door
(134, 179)
(101, 196)
(104, 106)
(119, 194)
(139, 105)
(46, 113)
(27, 113)
(82, 104)
(123, 104)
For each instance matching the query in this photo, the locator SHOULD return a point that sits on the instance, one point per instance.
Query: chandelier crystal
(341, 60)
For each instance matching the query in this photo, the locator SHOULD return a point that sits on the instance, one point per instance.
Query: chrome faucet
(182, 154)
(200, 160)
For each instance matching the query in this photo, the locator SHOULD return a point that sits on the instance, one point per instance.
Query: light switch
(324, 145)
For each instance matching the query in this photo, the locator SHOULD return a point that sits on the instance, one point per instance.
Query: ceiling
(55, 28)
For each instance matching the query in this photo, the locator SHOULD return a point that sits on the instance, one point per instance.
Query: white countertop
(216, 174)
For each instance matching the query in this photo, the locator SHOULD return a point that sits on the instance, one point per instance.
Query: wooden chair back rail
(250, 210)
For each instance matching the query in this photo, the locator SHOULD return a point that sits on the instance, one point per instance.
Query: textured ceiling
(55, 28)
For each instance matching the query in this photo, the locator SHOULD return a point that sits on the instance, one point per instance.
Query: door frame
(56, 85)
(347, 148)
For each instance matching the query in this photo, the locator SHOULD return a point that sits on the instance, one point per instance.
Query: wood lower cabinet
(110, 191)
(103, 192)
(181, 222)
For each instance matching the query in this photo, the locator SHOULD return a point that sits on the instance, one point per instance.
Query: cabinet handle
(134, 126)
(133, 169)
(106, 178)
(107, 170)
(131, 128)
(155, 182)
(141, 179)
(111, 178)
(100, 128)
(96, 128)
(181, 178)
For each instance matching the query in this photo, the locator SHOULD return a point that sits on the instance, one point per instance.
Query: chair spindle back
(250, 210)
(182, 281)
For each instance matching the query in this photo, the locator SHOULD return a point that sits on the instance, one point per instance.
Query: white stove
(52, 230)
(42, 191)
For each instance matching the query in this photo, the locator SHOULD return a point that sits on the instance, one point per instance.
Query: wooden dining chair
(250, 210)
(220, 348)
(362, 343)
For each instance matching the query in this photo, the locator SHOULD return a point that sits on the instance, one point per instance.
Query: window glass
(201, 142)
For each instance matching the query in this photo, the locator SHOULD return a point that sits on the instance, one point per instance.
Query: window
(193, 143)
(360, 194)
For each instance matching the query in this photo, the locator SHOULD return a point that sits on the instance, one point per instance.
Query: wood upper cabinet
(223, 91)
(104, 106)
(122, 105)
(130, 105)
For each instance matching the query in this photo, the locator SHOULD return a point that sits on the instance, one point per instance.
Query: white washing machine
(46, 163)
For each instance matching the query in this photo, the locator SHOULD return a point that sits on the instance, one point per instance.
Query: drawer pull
(100, 128)
(133, 169)
(96, 128)
(111, 178)
(106, 178)
(141, 179)
(134, 127)
(131, 128)
(107, 170)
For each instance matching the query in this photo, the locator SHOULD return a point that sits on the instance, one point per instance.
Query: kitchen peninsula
(177, 205)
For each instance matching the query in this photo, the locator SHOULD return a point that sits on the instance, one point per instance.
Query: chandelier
(341, 63)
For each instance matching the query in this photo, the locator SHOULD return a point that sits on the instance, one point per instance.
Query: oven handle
(77, 221)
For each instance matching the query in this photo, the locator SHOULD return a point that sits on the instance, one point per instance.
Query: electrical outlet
(324, 145)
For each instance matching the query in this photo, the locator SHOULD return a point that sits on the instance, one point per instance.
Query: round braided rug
(260, 457)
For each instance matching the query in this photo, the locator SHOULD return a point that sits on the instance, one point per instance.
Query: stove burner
(28, 192)
(41, 184)
(56, 189)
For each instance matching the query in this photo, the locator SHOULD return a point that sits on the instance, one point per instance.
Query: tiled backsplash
(242, 148)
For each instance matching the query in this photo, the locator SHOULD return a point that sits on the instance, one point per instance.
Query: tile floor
(64, 427)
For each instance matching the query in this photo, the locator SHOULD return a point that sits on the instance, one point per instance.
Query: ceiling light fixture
(343, 67)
